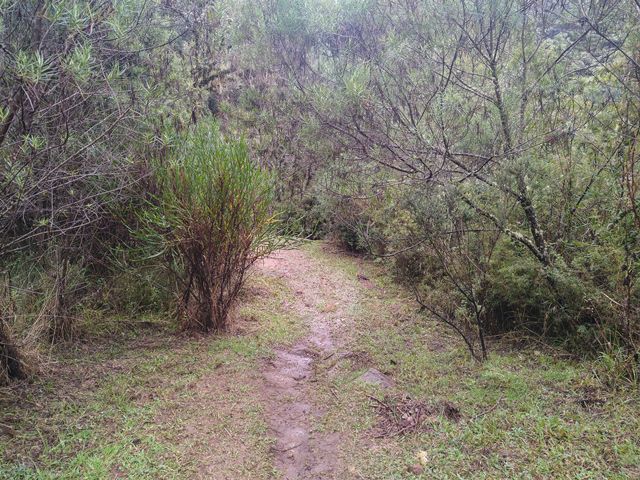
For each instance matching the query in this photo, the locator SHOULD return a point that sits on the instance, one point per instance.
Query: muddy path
(323, 299)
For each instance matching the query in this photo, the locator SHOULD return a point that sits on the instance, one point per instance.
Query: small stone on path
(376, 377)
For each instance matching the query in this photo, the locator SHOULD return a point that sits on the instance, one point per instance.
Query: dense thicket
(92, 93)
(486, 150)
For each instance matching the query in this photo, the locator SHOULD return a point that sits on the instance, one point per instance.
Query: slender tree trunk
(11, 365)
(523, 196)
(60, 323)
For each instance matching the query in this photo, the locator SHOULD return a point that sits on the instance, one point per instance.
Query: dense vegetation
(471, 167)
(486, 151)
(104, 187)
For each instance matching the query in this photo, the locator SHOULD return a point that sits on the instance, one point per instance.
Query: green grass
(146, 404)
(120, 408)
(523, 414)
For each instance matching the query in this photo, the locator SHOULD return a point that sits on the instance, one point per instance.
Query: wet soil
(323, 300)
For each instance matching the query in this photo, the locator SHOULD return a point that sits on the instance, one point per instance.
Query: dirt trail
(322, 298)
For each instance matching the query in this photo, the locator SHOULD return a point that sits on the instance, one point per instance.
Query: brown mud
(323, 299)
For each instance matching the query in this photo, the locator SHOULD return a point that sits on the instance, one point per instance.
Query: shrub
(212, 220)
(135, 288)
(560, 302)
(351, 225)
(306, 218)
(44, 288)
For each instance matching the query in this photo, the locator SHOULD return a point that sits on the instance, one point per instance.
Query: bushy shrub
(44, 288)
(305, 218)
(565, 303)
(439, 247)
(211, 221)
(351, 225)
(134, 288)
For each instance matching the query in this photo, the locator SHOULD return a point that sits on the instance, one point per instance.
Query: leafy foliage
(212, 221)
(492, 119)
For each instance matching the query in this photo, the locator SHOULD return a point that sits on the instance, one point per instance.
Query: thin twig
(287, 449)
(489, 410)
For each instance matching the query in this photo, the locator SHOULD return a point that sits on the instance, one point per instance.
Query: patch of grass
(71, 430)
(525, 413)
(267, 309)
(146, 404)
(134, 405)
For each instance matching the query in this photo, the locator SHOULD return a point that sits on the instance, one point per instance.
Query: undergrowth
(120, 404)
(529, 411)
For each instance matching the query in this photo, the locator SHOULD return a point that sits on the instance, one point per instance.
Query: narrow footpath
(322, 299)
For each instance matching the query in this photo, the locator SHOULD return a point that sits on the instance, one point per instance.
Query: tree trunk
(522, 195)
(11, 366)
(60, 326)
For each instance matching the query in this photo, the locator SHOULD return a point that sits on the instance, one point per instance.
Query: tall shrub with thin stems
(212, 219)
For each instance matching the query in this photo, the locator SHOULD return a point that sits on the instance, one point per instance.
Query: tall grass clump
(211, 219)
